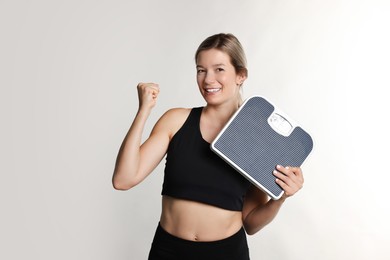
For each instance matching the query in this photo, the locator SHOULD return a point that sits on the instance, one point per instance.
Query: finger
(283, 178)
(283, 172)
(289, 189)
(287, 179)
(293, 172)
(154, 87)
(150, 89)
(143, 86)
(285, 187)
(154, 91)
(297, 175)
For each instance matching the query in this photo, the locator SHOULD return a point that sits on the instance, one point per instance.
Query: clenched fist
(147, 94)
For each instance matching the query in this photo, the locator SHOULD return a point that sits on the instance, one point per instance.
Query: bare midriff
(196, 221)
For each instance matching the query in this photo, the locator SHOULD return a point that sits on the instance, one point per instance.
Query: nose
(210, 78)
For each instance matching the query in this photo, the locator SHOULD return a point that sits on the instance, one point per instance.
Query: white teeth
(212, 89)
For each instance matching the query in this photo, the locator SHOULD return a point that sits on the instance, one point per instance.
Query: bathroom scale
(258, 137)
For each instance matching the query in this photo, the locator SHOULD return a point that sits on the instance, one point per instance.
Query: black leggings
(168, 247)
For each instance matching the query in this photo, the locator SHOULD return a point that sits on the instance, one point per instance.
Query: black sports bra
(194, 172)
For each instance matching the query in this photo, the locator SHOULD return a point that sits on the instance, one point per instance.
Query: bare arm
(135, 161)
(259, 210)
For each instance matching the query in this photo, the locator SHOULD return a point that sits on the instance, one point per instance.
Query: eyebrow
(214, 65)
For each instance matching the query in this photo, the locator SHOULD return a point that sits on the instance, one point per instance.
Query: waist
(196, 221)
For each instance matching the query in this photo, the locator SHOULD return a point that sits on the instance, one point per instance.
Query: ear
(241, 77)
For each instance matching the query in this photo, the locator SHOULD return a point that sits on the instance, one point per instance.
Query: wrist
(143, 111)
(283, 198)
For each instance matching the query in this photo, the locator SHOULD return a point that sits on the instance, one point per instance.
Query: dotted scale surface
(253, 148)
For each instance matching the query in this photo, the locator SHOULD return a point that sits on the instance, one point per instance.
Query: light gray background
(68, 75)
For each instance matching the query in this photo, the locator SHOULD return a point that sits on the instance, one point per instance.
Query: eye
(199, 71)
(220, 69)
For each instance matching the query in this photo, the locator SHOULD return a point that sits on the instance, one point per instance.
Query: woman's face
(217, 79)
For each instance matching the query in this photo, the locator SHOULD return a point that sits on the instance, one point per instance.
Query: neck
(220, 114)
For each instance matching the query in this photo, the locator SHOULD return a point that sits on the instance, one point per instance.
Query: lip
(212, 90)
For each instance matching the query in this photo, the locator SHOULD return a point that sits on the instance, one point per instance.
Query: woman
(201, 218)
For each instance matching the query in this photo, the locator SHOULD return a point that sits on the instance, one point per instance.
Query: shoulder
(173, 119)
(177, 112)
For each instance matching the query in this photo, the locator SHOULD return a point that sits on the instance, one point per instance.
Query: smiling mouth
(212, 90)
